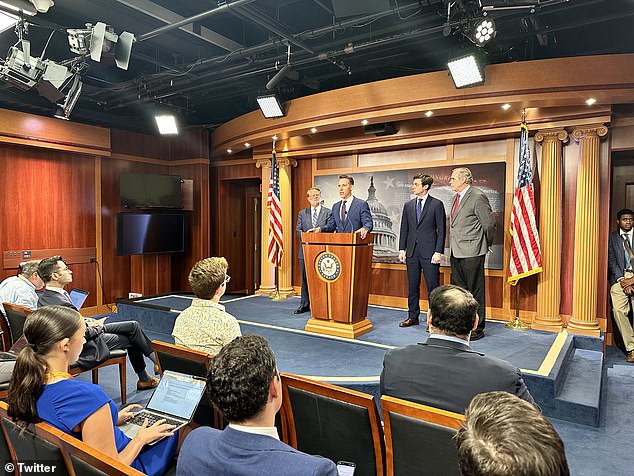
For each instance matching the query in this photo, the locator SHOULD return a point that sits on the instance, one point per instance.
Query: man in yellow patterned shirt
(205, 325)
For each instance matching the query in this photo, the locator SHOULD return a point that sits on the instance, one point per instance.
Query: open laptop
(78, 297)
(175, 400)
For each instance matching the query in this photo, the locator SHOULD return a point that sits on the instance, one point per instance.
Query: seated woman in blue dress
(42, 390)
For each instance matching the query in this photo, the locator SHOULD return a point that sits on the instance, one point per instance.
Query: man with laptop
(244, 384)
(100, 338)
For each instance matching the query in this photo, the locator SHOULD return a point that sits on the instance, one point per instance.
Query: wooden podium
(338, 269)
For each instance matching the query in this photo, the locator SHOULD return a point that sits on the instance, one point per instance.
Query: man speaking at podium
(351, 214)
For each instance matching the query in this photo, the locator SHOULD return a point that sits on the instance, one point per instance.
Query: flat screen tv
(150, 191)
(150, 233)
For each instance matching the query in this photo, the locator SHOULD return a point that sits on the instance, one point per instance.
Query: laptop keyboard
(152, 418)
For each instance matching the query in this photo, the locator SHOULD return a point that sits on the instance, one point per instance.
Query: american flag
(526, 255)
(276, 243)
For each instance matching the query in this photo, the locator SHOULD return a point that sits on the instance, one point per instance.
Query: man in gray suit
(314, 218)
(445, 372)
(471, 232)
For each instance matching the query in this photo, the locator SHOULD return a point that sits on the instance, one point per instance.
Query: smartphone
(345, 468)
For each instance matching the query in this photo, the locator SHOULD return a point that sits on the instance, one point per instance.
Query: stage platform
(564, 373)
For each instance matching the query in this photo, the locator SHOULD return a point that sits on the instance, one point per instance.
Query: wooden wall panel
(302, 180)
(569, 176)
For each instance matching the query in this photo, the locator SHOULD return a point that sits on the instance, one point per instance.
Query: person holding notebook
(41, 389)
(100, 338)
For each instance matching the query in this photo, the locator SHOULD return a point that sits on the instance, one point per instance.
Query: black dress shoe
(408, 322)
(477, 335)
(301, 310)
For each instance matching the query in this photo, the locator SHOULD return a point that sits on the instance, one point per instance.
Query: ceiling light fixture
(247, 145)
(506, 106)
(18, 6)
(590, 101)
(270, 106)
(313, 130)
(482, 31)
(466, 71)
(229, 151)
(429, 113)
(364, 122)
(166, 124)
(101, 40)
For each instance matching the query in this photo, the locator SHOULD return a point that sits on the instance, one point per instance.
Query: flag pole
(516, 324)
(276, 296)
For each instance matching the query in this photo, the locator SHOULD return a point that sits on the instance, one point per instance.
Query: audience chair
(40, 443)
(419, 439)
(191, 362)
(7, 340)
(334, 422)
(16, 315)
(87, 461)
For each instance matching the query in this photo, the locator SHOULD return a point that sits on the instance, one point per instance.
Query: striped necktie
(314, 217)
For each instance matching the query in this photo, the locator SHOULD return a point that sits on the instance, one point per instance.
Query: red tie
(455, 206)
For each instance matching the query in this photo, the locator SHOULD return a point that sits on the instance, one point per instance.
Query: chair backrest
(16, 315)
(181, 359)
(333, 422)
(191, 362)
(7, 338)
(419, 439)
(38, 444)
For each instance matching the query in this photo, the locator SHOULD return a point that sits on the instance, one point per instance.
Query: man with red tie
(471, 232)
(421, 243)
(351, 214)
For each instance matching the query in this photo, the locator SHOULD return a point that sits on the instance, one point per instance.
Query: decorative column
(585, 281)
(549, 280)
(285, 276)
(267, 270)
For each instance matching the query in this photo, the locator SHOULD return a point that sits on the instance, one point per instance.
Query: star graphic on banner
(389, 182)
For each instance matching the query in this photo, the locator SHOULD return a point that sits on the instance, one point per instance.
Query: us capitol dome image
(385, 240)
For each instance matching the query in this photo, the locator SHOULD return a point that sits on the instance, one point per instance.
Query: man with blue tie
(421, 243)
(314, 218)
(621, 277)
(351, 214)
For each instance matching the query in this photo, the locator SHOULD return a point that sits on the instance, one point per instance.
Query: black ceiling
(211, 70)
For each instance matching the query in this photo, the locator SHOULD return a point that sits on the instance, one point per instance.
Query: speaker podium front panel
(338, 273)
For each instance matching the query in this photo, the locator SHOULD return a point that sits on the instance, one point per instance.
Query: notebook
(175, 400)
(78, 297)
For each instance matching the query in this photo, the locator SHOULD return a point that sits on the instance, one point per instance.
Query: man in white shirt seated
(205, 325)
(21, 289)
(244, 384)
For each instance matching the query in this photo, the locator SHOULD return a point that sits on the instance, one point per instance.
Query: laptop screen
(77, 297)
(177, 394)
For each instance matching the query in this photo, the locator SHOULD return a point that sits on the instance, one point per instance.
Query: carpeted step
(579, 395)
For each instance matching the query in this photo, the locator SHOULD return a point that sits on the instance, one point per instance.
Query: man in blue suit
(314, 218)
(421, 243)
(244, 384)
(621, 277)
(351, 214)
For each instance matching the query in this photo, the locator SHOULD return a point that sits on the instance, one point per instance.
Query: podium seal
(328, 266)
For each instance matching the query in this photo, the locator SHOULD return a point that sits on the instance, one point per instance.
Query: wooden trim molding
(12, 259)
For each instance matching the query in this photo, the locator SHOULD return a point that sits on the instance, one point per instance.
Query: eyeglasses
(227, 279)
(627, 219)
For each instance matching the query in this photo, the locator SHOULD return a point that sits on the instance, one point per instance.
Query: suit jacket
(472, 228)
(447, 375)
(616, 257)
(305, 223)
(95, 350)
(233, 452)
(426, 236)
(358, 216)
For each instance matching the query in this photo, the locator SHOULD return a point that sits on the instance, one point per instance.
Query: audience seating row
(48, 445)
(13, 327)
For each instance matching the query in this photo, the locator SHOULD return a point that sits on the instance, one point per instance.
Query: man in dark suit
(445, 372)
(244, 384)
(621, 277)
(471, 233)
(351, 214)
(100, 338)
(422, 241)
(314, 218)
